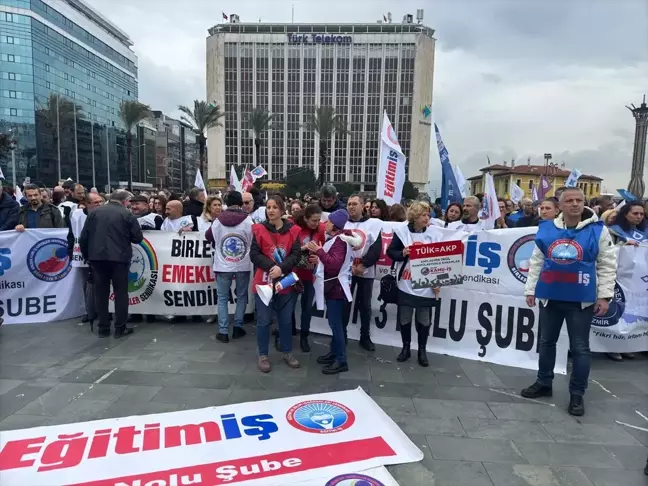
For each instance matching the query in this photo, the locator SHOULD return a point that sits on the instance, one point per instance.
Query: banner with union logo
(316, 439)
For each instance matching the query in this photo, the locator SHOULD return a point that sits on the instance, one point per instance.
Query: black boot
(576, 405)
(423, 333)
(303, 342)
(406, 336)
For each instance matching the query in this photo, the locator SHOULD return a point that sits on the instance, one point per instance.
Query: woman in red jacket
(336, 258)
(308, 220)
(275, 251)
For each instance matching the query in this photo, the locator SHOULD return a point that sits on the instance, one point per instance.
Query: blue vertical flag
(449, 188)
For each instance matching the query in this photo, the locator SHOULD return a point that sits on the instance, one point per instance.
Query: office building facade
(360, 70)
(64, 71)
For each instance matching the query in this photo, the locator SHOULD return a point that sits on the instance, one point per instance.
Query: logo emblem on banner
(519, 257)
(142, 273)
(353, 479)
(233, 248)
(48, 260)
(615, 310)
(320, 417)
(565, 252)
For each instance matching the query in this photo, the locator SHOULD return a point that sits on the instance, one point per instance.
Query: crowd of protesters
(284, 235)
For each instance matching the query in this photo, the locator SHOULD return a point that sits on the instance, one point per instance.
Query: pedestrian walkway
(466, 416)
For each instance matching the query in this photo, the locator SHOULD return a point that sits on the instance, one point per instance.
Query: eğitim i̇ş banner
(272, 442)
(436, 264)
(391, 166)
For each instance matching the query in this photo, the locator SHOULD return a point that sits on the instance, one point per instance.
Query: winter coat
(333, 261)
(9, 210)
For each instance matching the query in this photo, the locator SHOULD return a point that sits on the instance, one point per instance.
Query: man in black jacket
(194, 206)
(105, 242)
(9, 210)
(529, 214)
(36, 213)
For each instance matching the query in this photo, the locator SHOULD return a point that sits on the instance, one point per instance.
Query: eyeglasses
(247, 202)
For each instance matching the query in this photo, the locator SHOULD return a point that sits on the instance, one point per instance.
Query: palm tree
(58, 111)
(325, 122)
(203, 117)
(131, 113)
(259, 120)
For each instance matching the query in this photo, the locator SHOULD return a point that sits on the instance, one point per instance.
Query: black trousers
(362, 302)
(104, 273)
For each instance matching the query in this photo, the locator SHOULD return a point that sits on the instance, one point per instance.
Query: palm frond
(325, 122)
(202, 117)
(259, 120)
(132, 112)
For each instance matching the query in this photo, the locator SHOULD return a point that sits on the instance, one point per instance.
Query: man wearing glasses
(248, 203)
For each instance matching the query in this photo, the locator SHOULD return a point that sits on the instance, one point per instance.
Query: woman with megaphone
(275, 251)
(333, 285)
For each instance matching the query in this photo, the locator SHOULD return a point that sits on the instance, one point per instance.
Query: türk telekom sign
(319, 39)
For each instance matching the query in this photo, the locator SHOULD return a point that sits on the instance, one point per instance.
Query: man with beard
(77, 221)
(471, 210)
(37, 214)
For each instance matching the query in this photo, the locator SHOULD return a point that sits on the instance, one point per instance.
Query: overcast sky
(513, 78)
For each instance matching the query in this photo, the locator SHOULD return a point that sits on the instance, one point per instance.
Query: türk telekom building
(289, 69)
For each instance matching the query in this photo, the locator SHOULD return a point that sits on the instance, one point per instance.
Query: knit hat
(234, 198)
(339, 218)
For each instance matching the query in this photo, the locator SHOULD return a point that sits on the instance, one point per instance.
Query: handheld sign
(436, 264)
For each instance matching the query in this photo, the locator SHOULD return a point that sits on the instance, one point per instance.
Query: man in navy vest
(572, 272)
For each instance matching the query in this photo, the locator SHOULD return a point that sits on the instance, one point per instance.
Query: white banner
(391, 166)
(573, 178)
(272, 442)
(624, 329)
(173, 275)
(37, 281)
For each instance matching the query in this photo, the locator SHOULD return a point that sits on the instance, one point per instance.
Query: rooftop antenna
(419, 15)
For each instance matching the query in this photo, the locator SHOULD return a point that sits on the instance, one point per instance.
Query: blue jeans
(307, 306)
(335, 312)
(223, 285)
(579, 322)
(281, 306)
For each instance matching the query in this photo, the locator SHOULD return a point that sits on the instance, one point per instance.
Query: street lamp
(12, 146)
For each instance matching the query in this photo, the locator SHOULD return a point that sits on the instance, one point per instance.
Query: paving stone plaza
(464, 415)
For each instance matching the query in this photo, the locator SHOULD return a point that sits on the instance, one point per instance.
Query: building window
(72, 79)
(12, 76)
(67, 92)
(11, 58)
(13, 112)
(10, 39)
(10, 17)
(47, 51)
(531, 184)
(518, 182)
(12, 94)
(47, 68)
(48, 85)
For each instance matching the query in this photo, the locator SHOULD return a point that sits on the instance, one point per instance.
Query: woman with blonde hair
(412, 299)
(212, 208)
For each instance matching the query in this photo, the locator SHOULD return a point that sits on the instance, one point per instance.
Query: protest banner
(436, 264)
(172, 274)
(485, 319)
(37, 281)
(280, 441)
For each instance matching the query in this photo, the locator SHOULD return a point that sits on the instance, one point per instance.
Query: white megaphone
(264, 291)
